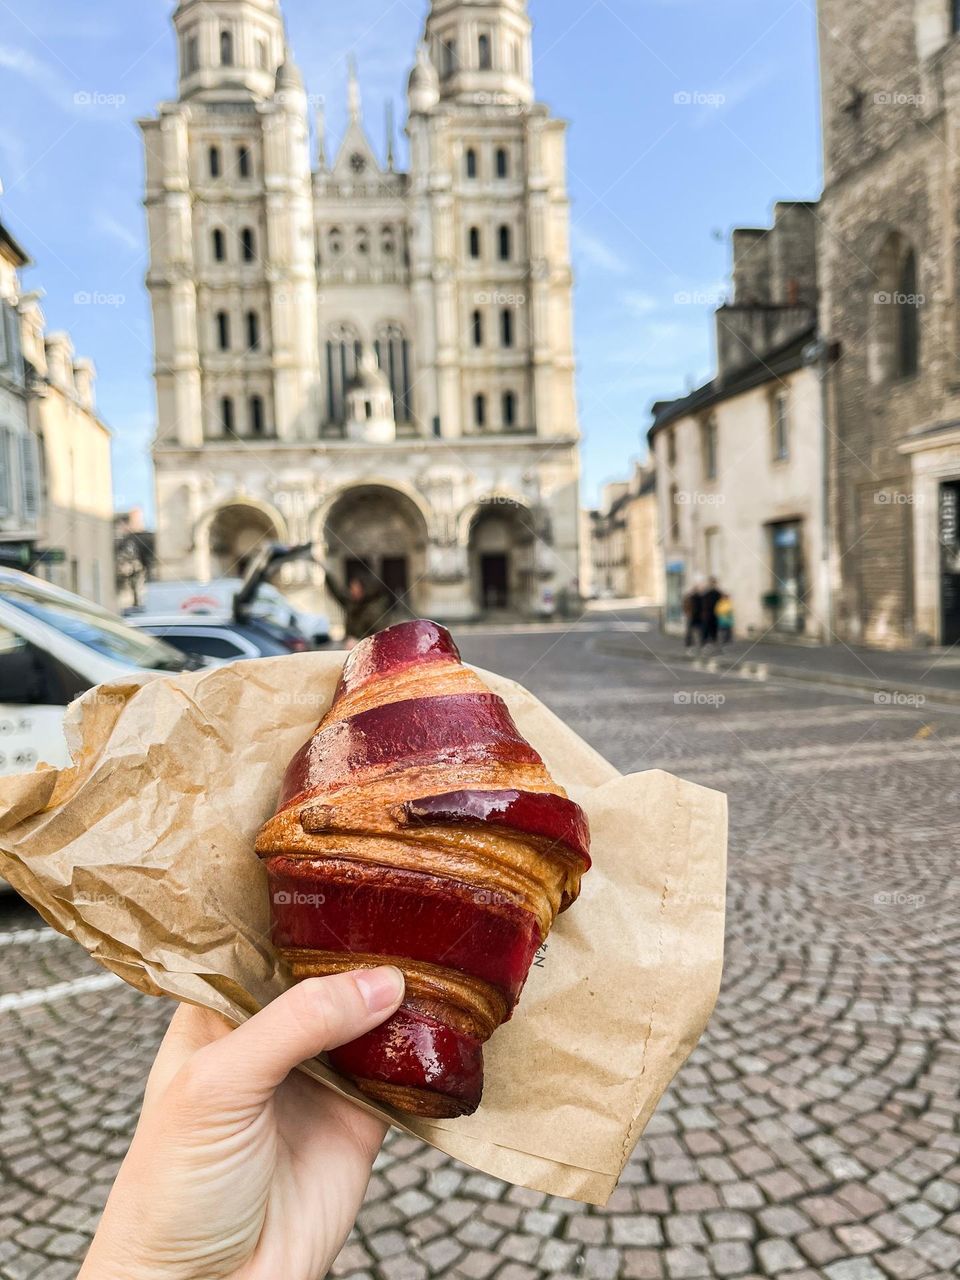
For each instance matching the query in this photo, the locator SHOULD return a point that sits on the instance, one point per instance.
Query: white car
(53, 647)
(216, 597)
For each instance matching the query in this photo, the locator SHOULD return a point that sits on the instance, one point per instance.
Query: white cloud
(596, 251)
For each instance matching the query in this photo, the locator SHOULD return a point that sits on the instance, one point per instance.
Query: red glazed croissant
(418, 828)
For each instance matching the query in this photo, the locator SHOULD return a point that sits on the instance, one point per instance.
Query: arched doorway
(502, 561)
(236, 532)
(378, 532)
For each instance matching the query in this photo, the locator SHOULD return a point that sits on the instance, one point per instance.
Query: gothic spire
(354, 106)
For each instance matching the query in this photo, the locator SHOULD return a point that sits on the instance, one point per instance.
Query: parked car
(53, 647)
(216, 599)
(219, 638)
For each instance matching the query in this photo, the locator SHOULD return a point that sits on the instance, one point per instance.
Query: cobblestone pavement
(813, 1131)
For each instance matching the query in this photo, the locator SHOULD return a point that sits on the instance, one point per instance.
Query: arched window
(213, 161)
(227, 419)
(219, 245)
(474, 242)
(258, 422)
(393, 356)
(471, 162)
(503, 163)
(226, 48)
(362, 240)
(244, 162)
(223, 331)
(388, 240)
(191, 55)
(509, 409)
(484, 52)
(505, 244)
(515, 55)
(477, 326)
(448, 57)
(343, 357)
(335, 242)
(253, 331)
(893, 350)
(262, 55)
(480, 410)
(506, 327)
(248, 244)
(907, 303)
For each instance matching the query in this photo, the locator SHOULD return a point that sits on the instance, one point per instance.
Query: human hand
(241, 1167)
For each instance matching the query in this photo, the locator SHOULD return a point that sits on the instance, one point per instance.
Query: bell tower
(482, 50)
(228, 46)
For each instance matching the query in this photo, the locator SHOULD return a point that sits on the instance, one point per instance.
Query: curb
(766, 670)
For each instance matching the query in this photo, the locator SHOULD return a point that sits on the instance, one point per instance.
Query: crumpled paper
(142, 851)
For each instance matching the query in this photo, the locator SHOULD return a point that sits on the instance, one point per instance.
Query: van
(217, 598)
(53, 647)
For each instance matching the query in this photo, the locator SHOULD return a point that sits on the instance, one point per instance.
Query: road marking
(24, 936)
(59, 991)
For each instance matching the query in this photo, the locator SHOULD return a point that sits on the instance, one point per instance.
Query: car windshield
(96, 628)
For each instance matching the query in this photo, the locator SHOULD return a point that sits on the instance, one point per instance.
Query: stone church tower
(374, 360)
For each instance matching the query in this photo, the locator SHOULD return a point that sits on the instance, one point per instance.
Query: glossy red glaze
(359, 908)
(455, 729)
(414, 1050)
(535, 813)
(405, 645)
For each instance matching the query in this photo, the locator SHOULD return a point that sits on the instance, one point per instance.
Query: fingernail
(381, 988)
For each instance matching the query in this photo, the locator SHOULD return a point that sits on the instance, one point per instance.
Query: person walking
(693, 613)
(724, 612)
(366, 605)
(708, 620)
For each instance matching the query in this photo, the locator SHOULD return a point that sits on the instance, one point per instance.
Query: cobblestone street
(814, 1131)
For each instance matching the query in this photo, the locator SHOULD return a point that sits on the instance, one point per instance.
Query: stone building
(740, 460)
(623, 544)
(891, 116)
(75, 476)
(375, 360)
(19, 464)
(56, 500)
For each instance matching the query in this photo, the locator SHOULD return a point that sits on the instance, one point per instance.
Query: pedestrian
(724, 612)
(241, 1165)
(708, 614)
(693, 613)
(366, 605)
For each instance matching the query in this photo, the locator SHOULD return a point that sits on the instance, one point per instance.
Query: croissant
(417, 827)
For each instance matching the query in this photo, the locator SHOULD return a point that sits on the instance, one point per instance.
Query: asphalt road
(814, 1131)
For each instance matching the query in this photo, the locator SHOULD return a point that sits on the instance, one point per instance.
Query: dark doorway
(950, 562)
(395, 576)
(494, 581)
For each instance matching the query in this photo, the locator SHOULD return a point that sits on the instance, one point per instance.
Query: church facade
(376, 361)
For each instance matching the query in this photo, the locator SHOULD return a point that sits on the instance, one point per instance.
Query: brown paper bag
(143, 852)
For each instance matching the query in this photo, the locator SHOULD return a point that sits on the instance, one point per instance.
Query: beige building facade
(74, 471)
(376, 361)
(622, 540)
(740, 461)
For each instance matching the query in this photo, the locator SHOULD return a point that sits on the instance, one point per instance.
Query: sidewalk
(903, 675)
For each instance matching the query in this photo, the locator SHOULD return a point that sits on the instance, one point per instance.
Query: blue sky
(656, 182)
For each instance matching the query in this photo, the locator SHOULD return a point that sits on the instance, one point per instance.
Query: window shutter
(6, 459)
(29, 477)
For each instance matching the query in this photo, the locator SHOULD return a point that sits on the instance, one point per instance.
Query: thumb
(246, 1066)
